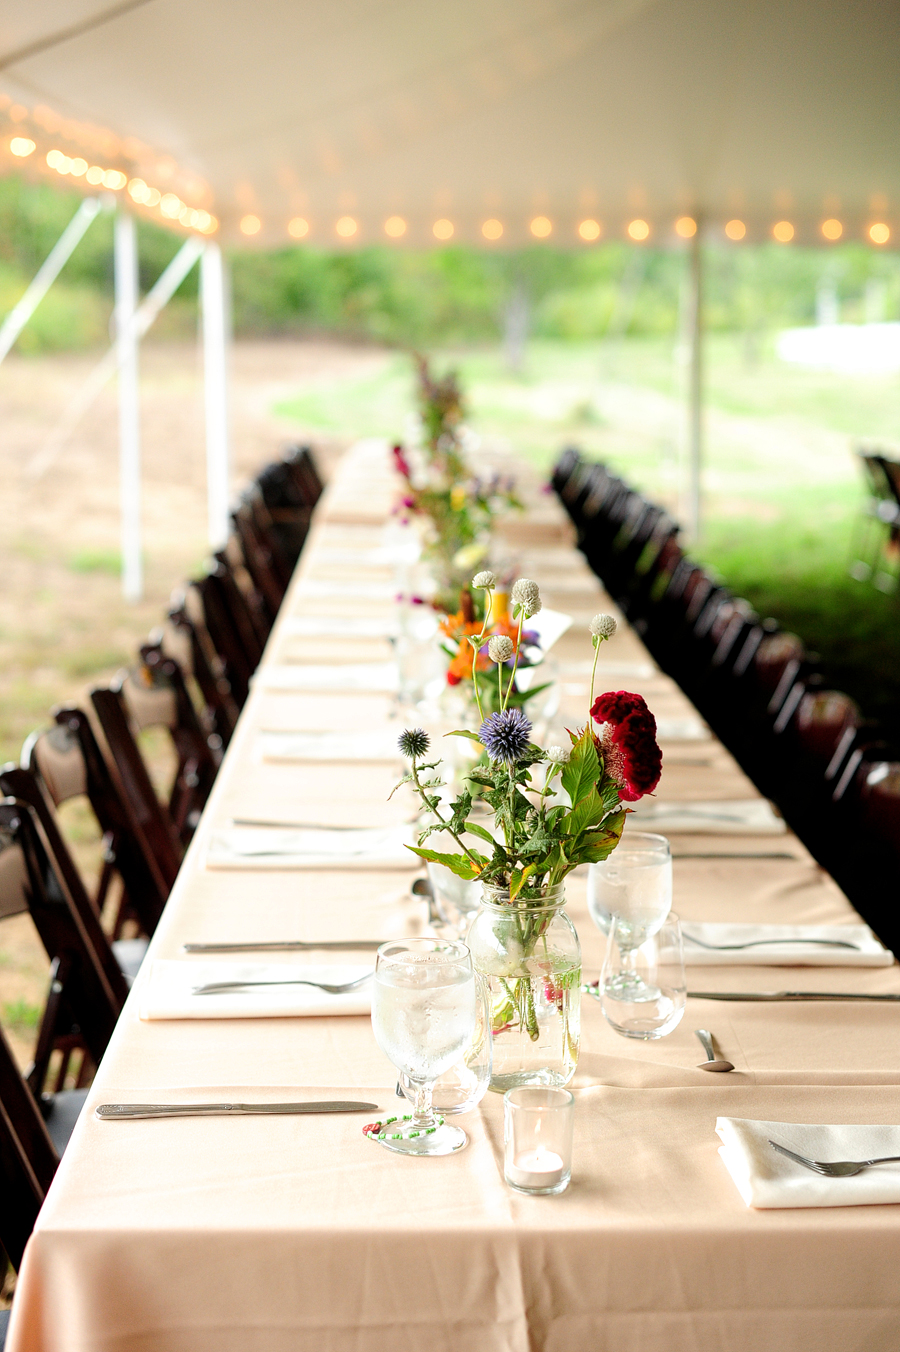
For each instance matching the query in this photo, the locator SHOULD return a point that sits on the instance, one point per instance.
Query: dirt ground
(64, 626)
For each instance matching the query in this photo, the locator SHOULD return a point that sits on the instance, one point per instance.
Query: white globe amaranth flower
(558, 755)
(603, 626)
(500, 648)
(484, 581)
(525, 597)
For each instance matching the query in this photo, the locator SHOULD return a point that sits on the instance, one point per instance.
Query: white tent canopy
(466, 112)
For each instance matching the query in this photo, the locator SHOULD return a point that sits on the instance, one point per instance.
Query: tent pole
(214, 307)
(695, 387)
(47, 273)
(126, 276)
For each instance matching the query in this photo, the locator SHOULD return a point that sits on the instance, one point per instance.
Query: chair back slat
(28, 1159)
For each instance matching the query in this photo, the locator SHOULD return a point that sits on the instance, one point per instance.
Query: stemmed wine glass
(633, 887)
(423, 1016)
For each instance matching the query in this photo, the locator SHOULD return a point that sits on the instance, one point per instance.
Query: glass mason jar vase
(528, 953)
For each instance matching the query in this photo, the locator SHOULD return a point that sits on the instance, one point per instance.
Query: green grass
(782, 487)
(96, 561)
(21, 1016)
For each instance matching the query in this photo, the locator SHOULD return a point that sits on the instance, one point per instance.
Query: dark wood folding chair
(87, 989)
(221, 709)
(69, 764)
(230, 628)
(263, 556)
(290, 489)
(153, 819)
(156, 696)
(28, 1158)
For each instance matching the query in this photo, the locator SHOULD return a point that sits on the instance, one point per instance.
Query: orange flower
(456, 628)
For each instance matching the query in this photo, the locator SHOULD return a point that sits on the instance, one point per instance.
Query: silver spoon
(712, 1062)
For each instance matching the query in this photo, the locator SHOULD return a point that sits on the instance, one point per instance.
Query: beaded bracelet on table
(376, 1130)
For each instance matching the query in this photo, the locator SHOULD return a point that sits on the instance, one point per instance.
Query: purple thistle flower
(506, 735)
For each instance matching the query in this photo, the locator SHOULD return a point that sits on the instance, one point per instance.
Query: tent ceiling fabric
(608, 109)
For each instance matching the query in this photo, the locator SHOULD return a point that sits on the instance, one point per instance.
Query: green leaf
(582, 770)
(599, 845)
(460, 864)
(464, 732)
(586, 813)
(474, 829)
(518, 879)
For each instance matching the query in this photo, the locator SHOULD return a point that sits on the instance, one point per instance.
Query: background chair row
(831, 773)
(184, 693)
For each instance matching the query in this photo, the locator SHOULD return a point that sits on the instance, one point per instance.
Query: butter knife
(285, 946)
(114, 1112)
(788, 995)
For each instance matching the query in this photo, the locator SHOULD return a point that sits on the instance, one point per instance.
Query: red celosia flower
(628, 743)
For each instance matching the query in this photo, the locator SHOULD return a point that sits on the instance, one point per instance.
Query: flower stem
(512, 679)
(597, 642)
(447, 825)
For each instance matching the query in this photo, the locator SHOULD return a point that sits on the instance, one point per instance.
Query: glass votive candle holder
(537, 1139)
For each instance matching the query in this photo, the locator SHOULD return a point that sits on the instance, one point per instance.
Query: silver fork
(832, 1168)
(758, 943)
(215, 987)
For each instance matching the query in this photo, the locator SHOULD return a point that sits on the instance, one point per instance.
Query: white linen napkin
(168, 992)
(730, 817)
(790, 952)
(336, 626)
(687, 729)
(379, 677)
(366, 591)
(767, 1179)
(379, 745)
(278, 847)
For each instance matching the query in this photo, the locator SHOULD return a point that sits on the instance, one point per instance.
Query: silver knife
(787, 995)
(285, 946)
(114, 1112)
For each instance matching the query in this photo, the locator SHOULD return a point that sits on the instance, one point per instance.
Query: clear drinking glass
(642, 988)
(423, 1014)
(634, 885)
(456, 900)
(466, 1082)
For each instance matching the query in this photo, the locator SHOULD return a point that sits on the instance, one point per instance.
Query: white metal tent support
(126, 274)
(695, 389)
(214, 306)
(47, 274)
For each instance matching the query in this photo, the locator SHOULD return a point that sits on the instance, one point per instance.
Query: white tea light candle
(537, 1139)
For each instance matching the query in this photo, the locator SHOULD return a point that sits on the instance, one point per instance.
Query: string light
(395, 227)
(541, 227)
(250, 225)
(783, 231)
(589, 230)
(346, 227)
(735, 229)
(492, 229)
(638, 230)
(298, 227)
(22, 146)
(77, 167)
(832, 229)
(686, 227)
(879, 233)
(94, 175)
(442, 229)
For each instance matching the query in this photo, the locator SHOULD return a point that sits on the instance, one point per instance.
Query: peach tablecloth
(299, 1235)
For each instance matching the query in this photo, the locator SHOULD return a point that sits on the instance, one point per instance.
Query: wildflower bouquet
(459, 507)
(468, 663)
(538, 839)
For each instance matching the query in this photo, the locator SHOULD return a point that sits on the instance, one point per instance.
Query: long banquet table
(298, 1233)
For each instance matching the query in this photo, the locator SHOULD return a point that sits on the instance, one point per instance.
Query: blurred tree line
(442, 296)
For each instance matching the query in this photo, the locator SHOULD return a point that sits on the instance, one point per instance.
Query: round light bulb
(879, 233)
(395, 227)
(832, 229)
(686, 227)
(589, 230)
(298, 228)
(783, 231)
(442, 229)
(250, 225)
(638, 230)
(735, 229)
(541, 227)
(346, 227)
(492, 229)
(22, 146)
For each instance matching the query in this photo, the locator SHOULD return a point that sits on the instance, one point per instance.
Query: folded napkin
(380, 745)
(168, 991)
(336, 626)
(688, 729)
(730, 817)
(868, 953)
(366, 591)
(278, 847)
(765, 1178)
(379, 677)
